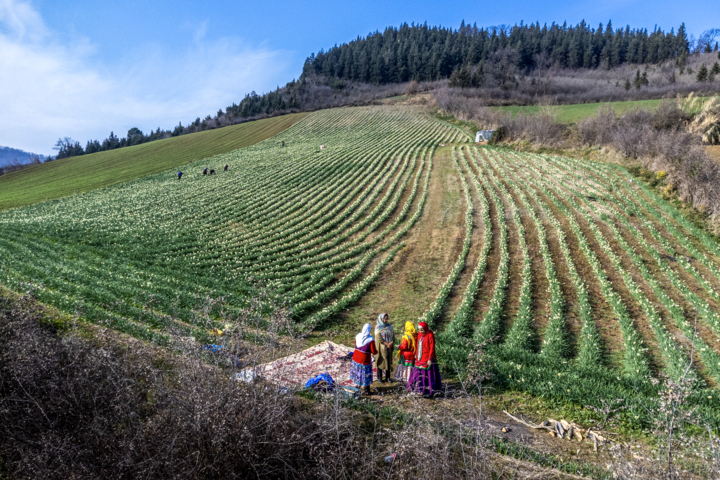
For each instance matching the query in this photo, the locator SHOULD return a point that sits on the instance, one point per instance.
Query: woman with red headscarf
(425, 377)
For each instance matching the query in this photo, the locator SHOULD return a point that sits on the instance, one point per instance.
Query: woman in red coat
(425, 377)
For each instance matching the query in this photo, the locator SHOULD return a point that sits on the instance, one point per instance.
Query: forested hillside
(423, 53)
(516, 65)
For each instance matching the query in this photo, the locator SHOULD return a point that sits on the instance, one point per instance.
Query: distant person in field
(361, 369)
(322, 146)
(179, 175)
(425, 378)
(384, 341)
(205, 171)
(212, 172)
(225, 168)
(283, 143)
(406, 353)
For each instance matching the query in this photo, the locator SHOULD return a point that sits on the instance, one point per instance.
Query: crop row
(327, 214)
(635, 363)
(491, 326)
(433, 312)
(710, 358)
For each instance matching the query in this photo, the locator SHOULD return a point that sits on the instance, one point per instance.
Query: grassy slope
(573, 113)
(70, 176)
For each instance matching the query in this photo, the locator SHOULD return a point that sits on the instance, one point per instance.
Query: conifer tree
(460, 78)
(478, 78)
(702, 75)
(713, 71)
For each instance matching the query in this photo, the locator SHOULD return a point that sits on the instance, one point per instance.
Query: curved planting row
(462, 323)
(710, 358)
(590, 346)
(436, 307)
(621, 222)
(315, 224)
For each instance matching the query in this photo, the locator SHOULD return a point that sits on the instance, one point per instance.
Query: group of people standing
(417, 364)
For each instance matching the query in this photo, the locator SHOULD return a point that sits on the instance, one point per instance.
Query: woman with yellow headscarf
(406, 353)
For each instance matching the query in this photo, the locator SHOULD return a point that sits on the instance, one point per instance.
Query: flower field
(583, 283)
(627, 278)
(315, 224)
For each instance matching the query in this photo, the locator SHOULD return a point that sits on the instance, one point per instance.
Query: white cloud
(51, 87)
(20, 20)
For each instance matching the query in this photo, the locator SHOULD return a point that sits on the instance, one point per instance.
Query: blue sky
(81, 68)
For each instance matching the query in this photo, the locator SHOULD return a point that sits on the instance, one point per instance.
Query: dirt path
(714, 151)
(490, 417)
(411, 281)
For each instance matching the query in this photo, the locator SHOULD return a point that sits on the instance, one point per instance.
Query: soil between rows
(602, 313)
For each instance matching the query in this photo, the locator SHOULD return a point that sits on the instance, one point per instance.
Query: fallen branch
(563, 429)
(536, 427)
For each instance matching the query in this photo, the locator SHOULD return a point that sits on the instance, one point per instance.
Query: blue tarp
(323, 377)
(213, 348)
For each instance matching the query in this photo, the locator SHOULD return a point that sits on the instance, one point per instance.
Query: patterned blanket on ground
(295, 370)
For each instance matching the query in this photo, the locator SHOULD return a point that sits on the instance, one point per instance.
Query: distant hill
(8, 154)
(68, 176)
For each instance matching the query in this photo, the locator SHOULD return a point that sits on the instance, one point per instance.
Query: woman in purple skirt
(361, 370)
(425, 378)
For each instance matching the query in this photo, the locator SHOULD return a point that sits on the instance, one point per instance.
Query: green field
(583, 283)
(573, 113)
(299, 217)
(70, 176)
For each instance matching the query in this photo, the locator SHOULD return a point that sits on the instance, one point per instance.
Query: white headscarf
(364, 337)
(380, 324)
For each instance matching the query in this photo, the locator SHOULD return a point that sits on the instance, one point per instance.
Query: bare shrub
(669, 116)
(104, 406)
(633, 141)
(689, 168)
(598, 129)
(90, 409)
(541, 128)
(412, 88)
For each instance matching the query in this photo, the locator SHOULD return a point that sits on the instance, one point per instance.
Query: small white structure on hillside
(483, 135)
